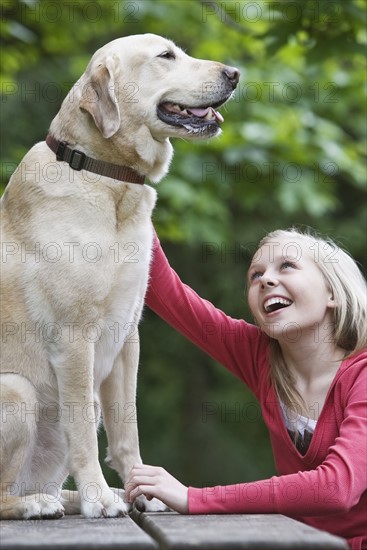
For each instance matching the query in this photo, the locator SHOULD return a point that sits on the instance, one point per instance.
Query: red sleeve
(238, 345)
(336, 485)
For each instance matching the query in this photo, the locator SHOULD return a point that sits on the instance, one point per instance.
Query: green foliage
(292, 152)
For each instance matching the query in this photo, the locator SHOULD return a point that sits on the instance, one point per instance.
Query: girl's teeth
(268, 305)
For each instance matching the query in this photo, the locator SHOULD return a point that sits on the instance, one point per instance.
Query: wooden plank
(74, 533)
(235, 532)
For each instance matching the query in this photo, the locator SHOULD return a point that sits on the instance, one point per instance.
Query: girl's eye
(255, 275)
(285, 265)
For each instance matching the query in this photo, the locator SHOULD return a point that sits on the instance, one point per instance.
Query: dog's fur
(75, 268)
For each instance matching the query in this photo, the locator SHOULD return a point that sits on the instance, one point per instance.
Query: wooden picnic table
(166, 531)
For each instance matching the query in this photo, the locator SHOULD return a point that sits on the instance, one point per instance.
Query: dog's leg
(74, 371)
(118, 397)
(118, 400)
(21, 497)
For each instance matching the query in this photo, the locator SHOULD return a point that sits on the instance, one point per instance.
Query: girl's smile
(273, 304)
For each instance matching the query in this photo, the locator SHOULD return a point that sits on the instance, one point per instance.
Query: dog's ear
(99, 98)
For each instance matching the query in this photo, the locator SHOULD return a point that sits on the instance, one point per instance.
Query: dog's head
(141, 90)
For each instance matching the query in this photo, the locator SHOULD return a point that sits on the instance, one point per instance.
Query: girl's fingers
(145, 470)
(147, 467)
(139, 480)
(142, 470)
(137, 491)
(142, 477)
(147, 490)
(154, 481)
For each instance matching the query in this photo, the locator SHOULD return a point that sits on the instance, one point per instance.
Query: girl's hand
(153, 481)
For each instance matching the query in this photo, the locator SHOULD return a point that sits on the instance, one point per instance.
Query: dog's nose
(233, 75)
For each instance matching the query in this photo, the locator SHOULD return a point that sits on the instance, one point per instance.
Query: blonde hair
(349, 289)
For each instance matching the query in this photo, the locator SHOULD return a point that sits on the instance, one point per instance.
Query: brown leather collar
(78, 160)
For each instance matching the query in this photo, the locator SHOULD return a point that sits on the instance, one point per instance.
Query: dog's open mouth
(197, 120)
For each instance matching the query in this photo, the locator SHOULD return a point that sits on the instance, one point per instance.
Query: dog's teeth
(178, 109)
(218, 116)
(209, 115)
(174, 108)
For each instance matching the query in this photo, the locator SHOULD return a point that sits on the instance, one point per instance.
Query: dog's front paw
(39, 506)
(154, 505)
(121, 494)
(109, 505)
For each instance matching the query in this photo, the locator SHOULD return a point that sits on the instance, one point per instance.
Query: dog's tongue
(202, 113)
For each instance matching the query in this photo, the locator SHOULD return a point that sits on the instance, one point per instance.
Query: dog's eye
(167, 55)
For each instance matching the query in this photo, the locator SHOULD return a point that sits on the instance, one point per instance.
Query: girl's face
(288, 295)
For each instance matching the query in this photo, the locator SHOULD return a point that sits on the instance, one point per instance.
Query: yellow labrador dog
(77, 234)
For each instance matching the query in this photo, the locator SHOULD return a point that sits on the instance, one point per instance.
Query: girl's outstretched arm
(240, 346)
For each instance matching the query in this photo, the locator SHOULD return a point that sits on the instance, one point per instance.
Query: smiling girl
(305, 360)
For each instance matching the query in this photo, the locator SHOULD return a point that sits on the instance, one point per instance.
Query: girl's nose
(268, 281)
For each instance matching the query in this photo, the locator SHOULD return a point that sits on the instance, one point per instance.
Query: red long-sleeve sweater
(327, 487)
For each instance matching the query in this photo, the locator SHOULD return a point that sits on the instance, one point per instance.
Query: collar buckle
(77, 160)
